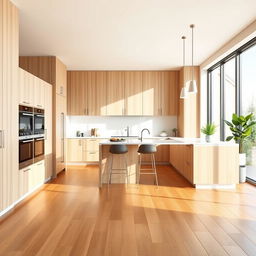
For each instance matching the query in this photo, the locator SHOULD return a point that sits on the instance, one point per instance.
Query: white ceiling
(128, 34)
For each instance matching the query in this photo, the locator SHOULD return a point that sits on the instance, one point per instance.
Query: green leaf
(248, 117)
(229, 138)
(228, 123)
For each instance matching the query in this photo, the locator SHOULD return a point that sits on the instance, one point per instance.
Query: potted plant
(241, 128)
(209, 130)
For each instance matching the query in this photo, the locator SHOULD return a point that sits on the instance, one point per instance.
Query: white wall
(109, 126)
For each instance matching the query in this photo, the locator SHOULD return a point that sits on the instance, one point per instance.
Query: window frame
(235, 54)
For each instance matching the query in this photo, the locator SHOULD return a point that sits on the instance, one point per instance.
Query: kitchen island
(204, 165)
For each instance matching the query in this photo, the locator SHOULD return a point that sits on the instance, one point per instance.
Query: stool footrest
(147, 173)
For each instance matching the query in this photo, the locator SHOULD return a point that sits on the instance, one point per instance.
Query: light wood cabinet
(39, 93)
(77, 93)
(83, 150)
(151, 93)
(115, 93)
(26, 88)
(48, 131)
(61, 78)
(133, 93)
(75, 150)
(9, 46)
(96, 93)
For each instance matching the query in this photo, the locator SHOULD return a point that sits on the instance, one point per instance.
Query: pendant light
(184, 90)
(192, 88)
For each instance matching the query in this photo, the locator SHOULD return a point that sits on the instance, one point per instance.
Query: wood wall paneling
(9, 28)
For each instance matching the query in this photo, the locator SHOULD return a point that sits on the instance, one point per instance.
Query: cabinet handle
(92, 153)
(39, 106)
(25, 102)
(80, 143)
(27, 141)
(26, 170)
(45, 134)
(39, 164)
(2, 138)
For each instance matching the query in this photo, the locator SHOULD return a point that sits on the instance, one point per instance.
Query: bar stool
(147, 149)
(118, 150)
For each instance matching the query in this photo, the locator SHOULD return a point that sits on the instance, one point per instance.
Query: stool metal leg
(154, 166)
(139, 169)
(126, 168)
(110, 169)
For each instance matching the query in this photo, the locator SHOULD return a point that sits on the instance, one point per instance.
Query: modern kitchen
(123, 136)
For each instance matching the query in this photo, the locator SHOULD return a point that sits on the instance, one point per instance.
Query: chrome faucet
(141, 133)
(127, 131)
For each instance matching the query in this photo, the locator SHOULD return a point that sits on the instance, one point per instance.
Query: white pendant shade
(184, 93)
(192, 88)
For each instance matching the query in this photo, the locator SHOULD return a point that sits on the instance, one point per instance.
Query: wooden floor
(71, 216)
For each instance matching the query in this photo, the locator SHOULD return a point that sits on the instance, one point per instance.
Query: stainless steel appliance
(38, 149)
(26, 122)
(26, 152)
(38, 121)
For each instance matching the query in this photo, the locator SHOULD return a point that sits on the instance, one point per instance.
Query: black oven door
(39, 124)
(26, 153)
(38, 149)
(25, 124)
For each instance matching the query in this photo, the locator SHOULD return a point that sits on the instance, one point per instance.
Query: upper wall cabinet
(61, 80)
(151, 93)
(115, 93)
(133, 93)
(31, 90)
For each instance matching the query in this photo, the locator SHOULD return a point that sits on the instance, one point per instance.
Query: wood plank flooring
(71, 216)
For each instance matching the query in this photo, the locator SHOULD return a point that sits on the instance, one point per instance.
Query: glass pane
(248, 84)
(216, 100)
(229, 93)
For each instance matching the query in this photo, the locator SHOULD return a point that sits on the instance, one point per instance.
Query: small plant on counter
(209, 129)
(241, 128)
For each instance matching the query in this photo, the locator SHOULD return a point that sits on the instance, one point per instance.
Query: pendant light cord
(192, 28)
(184, 49)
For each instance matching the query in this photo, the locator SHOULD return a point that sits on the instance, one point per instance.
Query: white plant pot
(242, 159)
(242, 174)
(208, 138)
(242, 168)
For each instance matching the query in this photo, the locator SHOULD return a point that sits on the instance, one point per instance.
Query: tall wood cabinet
(53, 71)
(9, 171)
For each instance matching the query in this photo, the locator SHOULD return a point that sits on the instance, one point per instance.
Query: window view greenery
(232, 89)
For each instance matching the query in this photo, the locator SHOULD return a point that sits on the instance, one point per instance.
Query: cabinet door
(26, 88)
(48, 130)
(60, 133)
(61, 78)
(151, 93)
(77, 93)
(38, 175)
(188, 163)
(133, 93)
(75, 150)
(39, 93)
(165, 93)
(115, 93)
(25, 180)
(101, 94)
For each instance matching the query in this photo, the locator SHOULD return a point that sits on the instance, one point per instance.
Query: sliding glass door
(248, 103)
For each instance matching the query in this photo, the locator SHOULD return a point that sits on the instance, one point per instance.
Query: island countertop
(168, 141)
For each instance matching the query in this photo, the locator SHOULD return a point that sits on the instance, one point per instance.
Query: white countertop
(169, 141)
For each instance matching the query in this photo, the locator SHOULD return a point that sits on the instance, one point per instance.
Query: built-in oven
(26, 152)
(38, 121)
(38, 149)
(26, 121)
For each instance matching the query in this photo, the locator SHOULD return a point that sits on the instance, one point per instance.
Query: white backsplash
(115, 125)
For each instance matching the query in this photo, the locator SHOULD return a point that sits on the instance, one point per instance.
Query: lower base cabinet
(31, 177)
(83, 150)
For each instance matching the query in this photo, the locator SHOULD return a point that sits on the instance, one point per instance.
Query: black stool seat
(147, 149)
(118, 149)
